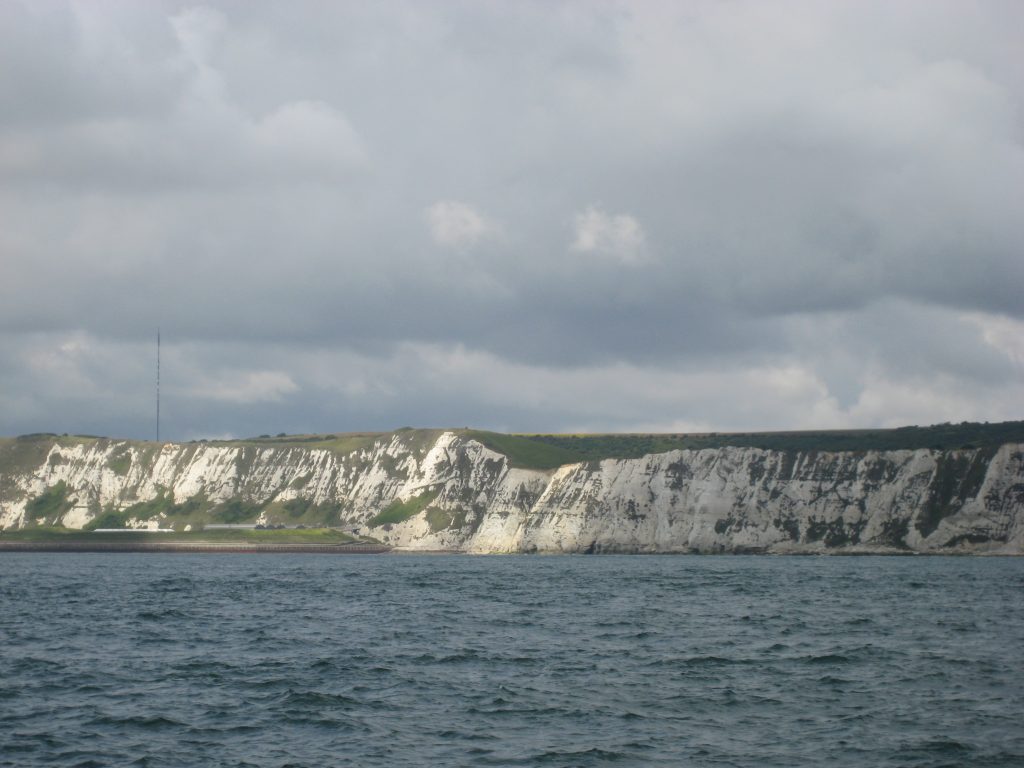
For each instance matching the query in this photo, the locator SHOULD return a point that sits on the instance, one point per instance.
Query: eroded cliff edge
(444, 490)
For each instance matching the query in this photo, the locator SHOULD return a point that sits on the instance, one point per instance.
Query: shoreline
(380, 549)
(197, 547)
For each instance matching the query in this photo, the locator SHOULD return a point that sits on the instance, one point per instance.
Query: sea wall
(451, 492)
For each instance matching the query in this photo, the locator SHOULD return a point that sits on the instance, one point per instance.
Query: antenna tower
(158, 385)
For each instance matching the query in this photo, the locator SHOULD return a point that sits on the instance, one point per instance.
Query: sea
(454, 660)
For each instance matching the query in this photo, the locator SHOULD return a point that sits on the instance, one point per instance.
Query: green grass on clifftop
(337, 443)
(528, 451)
(537, 451)
(548, 451)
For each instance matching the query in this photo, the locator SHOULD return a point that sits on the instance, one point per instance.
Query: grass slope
(549, 451)
(533, 451)
(528, 451)
(400, 511)
(341, 444)
(58, 534)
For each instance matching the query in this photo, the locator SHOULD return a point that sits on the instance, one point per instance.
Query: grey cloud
(819, 188)
(62, 63)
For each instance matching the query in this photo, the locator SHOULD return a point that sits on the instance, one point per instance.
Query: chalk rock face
(746, 499)
(443, 491)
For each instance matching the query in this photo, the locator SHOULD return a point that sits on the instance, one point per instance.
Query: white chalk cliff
(469, 498)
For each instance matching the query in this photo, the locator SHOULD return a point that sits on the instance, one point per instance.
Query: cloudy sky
(544, 216)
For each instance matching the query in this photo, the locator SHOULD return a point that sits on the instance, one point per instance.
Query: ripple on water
(165, 660)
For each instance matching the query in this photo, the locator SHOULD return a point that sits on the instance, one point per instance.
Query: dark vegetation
(442, 519)
(50, 505)
(341, 444)
(289, 536)
(235, 511)
(162, 504)
(121, 462)
(399, 511)
(305, 511)
(957, 478)
(550, 451)
(108, 518)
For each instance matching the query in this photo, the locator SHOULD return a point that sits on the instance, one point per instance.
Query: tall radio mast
(158, 384)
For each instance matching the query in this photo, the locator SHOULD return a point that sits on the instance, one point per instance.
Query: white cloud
(199, 31)
(619, 237)
(888, 402)
(1002, 333)
(308, 136)
(63, 383)
(456, 225)
(70, 360)
(244, 387)
(200, 133)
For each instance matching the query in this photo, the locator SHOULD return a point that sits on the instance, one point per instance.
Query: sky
(522, 216)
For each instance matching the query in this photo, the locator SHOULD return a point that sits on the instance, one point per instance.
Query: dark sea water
(307, 660)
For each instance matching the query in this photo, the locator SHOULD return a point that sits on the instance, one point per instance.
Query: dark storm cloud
(656, 208)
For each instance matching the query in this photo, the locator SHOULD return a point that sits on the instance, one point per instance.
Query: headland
(944, 489)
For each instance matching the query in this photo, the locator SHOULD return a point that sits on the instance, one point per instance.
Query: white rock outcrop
(714, 500)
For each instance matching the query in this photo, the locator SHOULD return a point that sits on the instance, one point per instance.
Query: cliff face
(446, 491)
